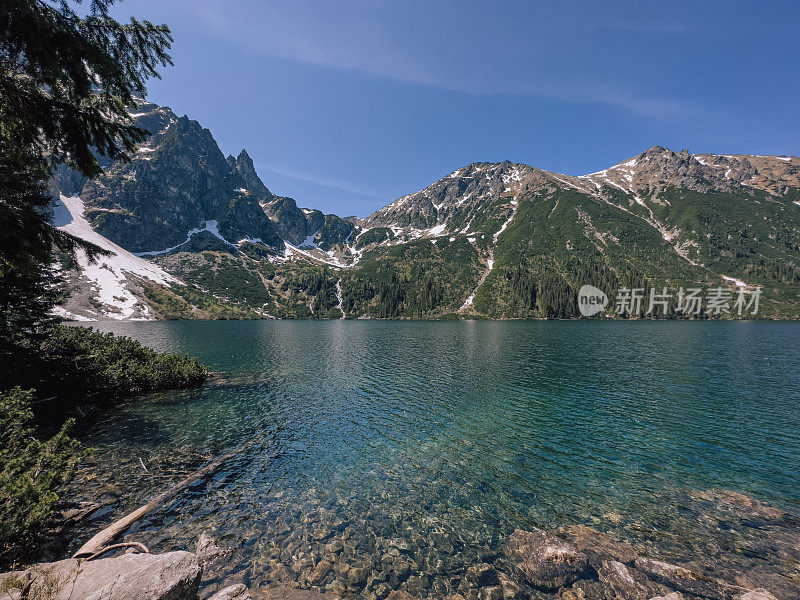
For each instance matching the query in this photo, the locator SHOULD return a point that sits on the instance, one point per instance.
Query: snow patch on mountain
(108, 276)
(505, 224)
(339, 296)
(210, 226)
(471, 298)
(736, 282)
(62, 312)
(314, 254)
(309, 241)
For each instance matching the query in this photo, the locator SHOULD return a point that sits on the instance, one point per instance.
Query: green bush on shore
(31, 471)
(75, 365)
(118, 366)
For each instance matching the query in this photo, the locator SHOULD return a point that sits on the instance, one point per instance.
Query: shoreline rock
(687, 581)
(169, 576)
(598, 546)
(619, 580)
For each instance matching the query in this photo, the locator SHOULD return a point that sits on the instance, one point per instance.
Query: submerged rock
(684, 580)
(399, 595)
(170, 576)
(738, 503)
(208, 551)
(317, 574)
(492, 592)
(759, 594)
(544, 560)
(619, 580)
(599, 546)
(290, 593)
(482, 574)
(511, 590)
(571, 594)
(233, 592)
(358, 574)
(585, 589)
(670, 596)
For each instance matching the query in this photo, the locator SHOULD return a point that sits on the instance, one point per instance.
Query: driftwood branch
(107, 535)
(140, 546)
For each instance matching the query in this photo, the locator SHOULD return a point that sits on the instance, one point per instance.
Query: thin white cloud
(324, 181)
(479, 62)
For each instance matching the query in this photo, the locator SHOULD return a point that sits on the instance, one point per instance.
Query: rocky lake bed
(722, 545)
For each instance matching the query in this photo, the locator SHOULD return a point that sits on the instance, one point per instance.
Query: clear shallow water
(445, 436)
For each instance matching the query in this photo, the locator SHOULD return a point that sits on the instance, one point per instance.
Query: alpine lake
(378, 456)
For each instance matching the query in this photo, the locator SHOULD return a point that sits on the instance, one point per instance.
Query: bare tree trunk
(107, 535)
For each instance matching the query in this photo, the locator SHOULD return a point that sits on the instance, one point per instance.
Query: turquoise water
(448, 435)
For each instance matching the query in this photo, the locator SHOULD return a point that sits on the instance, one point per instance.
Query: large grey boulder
(544, 560)
(170, 576)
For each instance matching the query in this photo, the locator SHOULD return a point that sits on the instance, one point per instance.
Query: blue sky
(346, 106)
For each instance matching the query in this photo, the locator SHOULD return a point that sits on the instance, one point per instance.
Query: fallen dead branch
(141, 547)
(102, 539)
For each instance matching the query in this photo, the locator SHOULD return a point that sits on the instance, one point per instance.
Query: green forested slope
(557, 241)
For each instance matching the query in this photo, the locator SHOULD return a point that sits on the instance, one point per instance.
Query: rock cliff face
(243, 165)
(306, 227)
(178, 181)
(292, 223)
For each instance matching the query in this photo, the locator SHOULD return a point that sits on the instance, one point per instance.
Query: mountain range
(196, 234)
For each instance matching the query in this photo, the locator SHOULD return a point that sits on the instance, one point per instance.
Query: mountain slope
(492, 239)
(660, 218)
(177, 181)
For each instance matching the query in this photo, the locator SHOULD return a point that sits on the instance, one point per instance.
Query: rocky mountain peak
(654, 151)
(659, 168)
(244, 166)
(465, 191)
(177, 184)
(153, 118)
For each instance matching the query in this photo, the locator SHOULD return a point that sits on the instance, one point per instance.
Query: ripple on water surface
(413, 449)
